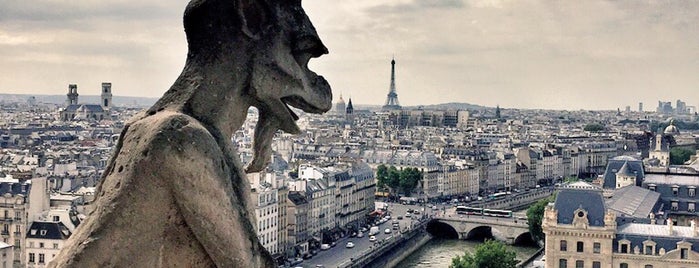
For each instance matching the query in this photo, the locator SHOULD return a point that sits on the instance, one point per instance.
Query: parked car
(325, 246)
(388, 231)
(349, 244)
(408, 215)
(372, 238)
(396, 227)
(400, 217)
(360, 234)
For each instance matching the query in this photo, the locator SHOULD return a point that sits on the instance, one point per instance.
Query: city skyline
(533, 54)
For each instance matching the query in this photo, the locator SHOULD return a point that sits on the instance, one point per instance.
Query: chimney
(652, 218)
(669, 225)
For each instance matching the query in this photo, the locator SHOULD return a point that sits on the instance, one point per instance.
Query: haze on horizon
(545, 54)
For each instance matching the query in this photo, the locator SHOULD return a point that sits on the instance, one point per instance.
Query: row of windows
(563, 263)
(676, 190)
(580, 246)
(41, 245)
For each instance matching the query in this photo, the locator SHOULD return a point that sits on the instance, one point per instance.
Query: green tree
(409, 179)
(393, 178)
(382, 176)
(490, 254)
(680, 155)
(535, 215)
(594, 127)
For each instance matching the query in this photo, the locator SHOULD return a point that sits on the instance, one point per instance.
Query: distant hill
(450, 106)
(61, 99)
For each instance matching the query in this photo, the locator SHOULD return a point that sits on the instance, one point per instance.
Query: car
(349, 244)
(360, 234)
(408, 215)
(410, 210)
(396, 227)
(353, 234)
(388, 217)
(387, 231)
(324, 246)
(372, 238)
(320, 266)
(400, 217)
(364, 229)
(395, 221)
(417, 212)
(434, 207)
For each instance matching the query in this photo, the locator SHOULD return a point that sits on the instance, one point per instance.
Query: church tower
(72, 94)
(349, 111)
(106, 96)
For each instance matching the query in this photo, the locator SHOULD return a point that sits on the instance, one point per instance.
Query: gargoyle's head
(275, 40)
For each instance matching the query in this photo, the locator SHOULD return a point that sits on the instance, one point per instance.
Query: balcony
(5, 232)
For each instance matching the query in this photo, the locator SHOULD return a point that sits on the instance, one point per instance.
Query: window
(31, 244)
(691, 207)
(579, 264)
(596, 247)
(18, 215)
(31, 258)
(675, 206)
(18, 228)
(564, 245)
(624, 265)
(683, 253)
(7, 214)
(596, 264)
(692, 192)
(580, 246)
(624, 248)
(675, 190)
(41, 258)
(56, 218)
(651, 187)
(41, 245)
(648, 266)
(563, 263)
(55, 245)
(649, 250)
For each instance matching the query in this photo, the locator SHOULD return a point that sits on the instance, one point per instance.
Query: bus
(469, 210)
(497, 213)
(497, 195)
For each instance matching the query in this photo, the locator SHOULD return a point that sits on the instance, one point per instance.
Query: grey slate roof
(569, 200)
(633, 201)
(48, 230)
(658, 233)
(616, 164)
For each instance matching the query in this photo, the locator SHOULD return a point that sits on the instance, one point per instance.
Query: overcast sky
(521, 54)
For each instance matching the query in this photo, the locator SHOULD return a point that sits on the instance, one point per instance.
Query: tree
(594, 127)
(680, 155)
(409, 178)
(490, 254)
(393, 178)
(382, 176)
(535, 215)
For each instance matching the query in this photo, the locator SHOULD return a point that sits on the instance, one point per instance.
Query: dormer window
(691, 207)
(624, 246)
(651, 187)
(675, 190)
(674, 205)
(649, 247)
(43, 233)
(692, 192)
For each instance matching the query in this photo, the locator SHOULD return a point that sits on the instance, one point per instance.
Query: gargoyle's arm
(193, 166)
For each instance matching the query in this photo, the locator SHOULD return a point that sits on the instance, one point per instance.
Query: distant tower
(497, 112)
(72, 94)
(340, 107)
(392, 99)
(640, 107)
(106, 96)
(349, 112)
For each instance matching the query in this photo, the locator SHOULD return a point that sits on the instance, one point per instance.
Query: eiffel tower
(392, 98)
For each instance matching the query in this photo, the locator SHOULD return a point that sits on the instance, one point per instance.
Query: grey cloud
(416, 5)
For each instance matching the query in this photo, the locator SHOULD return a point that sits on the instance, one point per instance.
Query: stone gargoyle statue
(174, 193)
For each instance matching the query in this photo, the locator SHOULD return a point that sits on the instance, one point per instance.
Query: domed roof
(671, 129)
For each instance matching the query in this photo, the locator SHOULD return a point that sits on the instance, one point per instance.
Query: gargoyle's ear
(254, 16)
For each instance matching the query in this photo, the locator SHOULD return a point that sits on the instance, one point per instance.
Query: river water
(438, 252)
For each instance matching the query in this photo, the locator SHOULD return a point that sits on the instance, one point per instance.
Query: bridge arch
(480, 233)
(443, 230)
(525, 239)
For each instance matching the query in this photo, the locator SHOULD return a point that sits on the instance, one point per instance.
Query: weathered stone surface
(174, 193)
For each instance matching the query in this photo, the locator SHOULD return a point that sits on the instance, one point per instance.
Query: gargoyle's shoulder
(170, 130)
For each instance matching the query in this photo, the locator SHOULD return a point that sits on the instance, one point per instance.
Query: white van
(374, 230)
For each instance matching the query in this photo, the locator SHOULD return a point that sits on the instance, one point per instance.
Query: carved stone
(174, 193)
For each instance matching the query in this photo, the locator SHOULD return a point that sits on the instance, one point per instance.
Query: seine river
(439, 252)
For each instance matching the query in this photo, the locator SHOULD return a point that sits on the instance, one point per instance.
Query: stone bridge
(511, 230)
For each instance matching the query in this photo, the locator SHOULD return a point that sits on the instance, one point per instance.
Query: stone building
(13, 215)
(44, 241)
(582, 232)
(267, 214)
